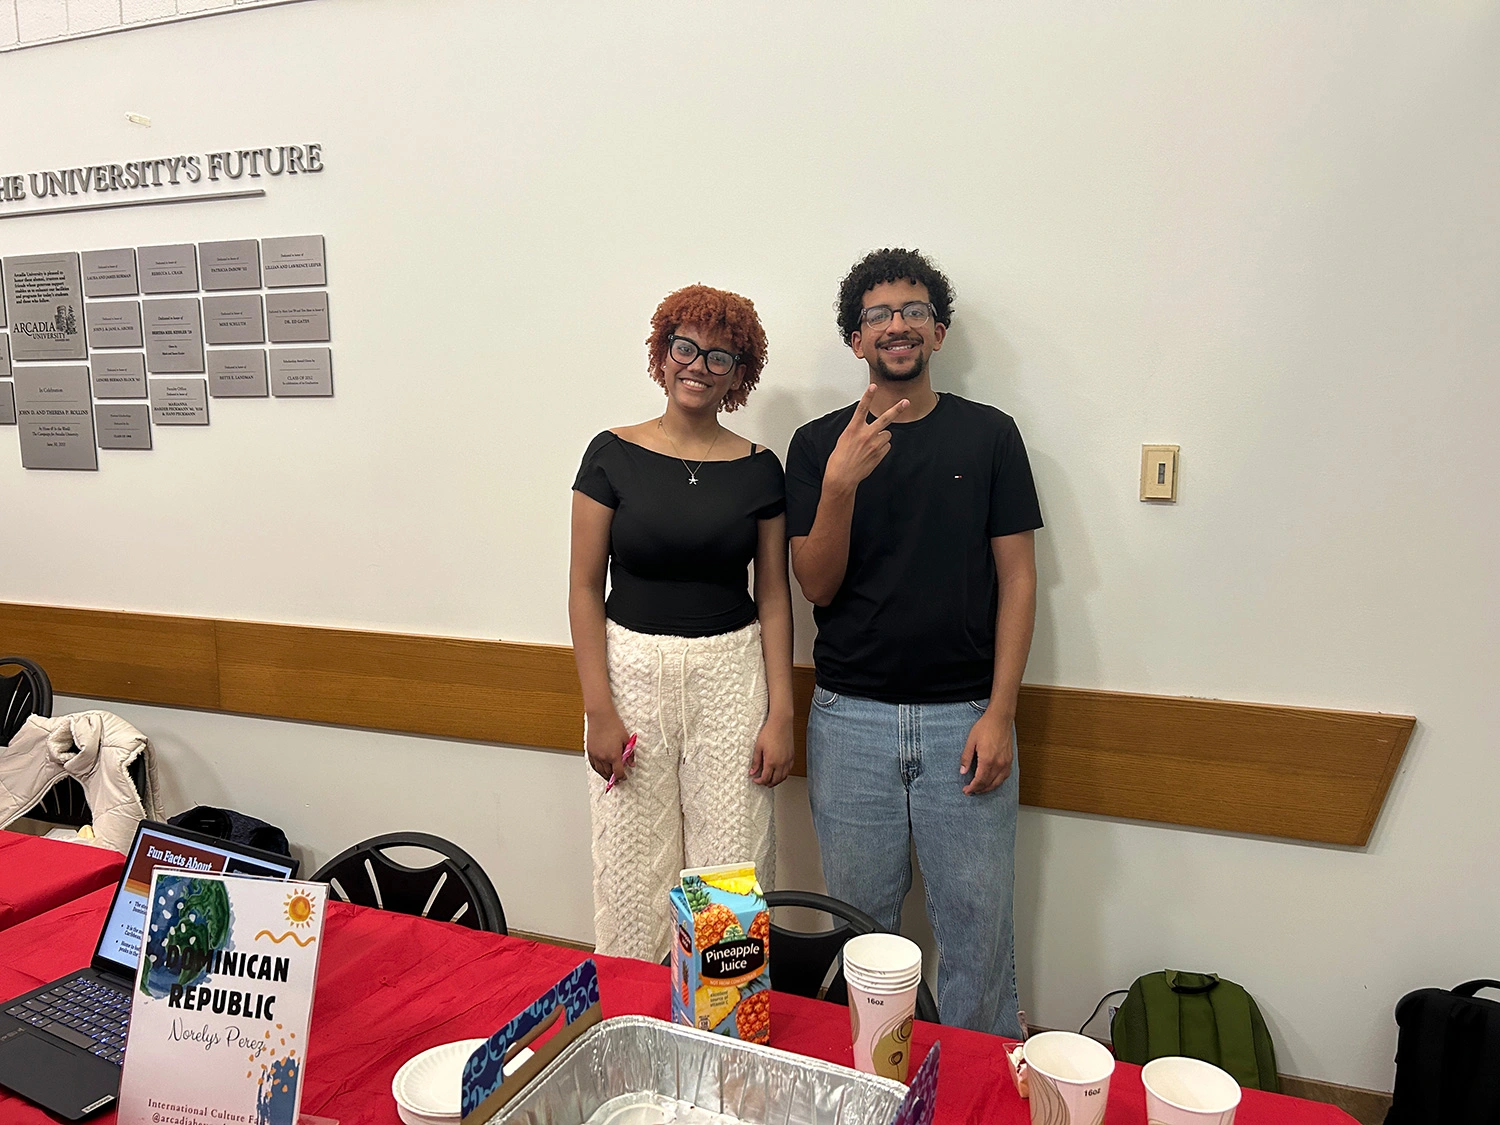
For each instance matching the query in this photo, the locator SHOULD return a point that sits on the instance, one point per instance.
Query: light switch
(1159, 472)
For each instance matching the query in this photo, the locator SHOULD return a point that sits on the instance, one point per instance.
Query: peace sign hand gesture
(862, 445)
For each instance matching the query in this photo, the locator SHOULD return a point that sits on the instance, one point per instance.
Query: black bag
(1447, 1057)
(235, 827)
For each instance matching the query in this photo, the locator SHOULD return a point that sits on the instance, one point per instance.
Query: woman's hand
(604, 739)
(773, 753)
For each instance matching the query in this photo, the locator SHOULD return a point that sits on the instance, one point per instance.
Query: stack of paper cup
(1183, 1091)
(883, 971)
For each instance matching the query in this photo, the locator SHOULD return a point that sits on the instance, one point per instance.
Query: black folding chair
(800, 961)
(25, 691)
(455, 889)
(66, 804)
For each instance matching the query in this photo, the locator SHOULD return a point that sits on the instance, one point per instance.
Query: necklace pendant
(692, 479)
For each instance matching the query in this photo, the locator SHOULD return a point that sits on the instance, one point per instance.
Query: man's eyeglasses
(915, 313)
(684, 351)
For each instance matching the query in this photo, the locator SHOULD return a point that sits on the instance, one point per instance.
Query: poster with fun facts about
(222, 1001)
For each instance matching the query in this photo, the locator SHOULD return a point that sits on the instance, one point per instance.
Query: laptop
(62, 1045)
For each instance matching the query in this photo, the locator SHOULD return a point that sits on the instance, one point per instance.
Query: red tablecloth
(390, 986)
(38, 874)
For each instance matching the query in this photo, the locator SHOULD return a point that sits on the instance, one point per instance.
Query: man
(911, 518)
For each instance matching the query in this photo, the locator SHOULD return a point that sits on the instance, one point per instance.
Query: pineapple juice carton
(721, 953)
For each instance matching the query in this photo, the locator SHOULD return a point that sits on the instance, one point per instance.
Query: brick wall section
(30, 23)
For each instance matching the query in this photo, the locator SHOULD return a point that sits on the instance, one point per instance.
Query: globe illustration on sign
(187, 920)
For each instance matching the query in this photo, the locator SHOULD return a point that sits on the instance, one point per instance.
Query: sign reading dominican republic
(223, 999)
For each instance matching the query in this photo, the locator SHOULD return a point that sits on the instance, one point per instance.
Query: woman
(681, 658)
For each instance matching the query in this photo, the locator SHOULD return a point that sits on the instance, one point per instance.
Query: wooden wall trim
(142, 657)
(1294, 772)
(527, 695)
(1298, 772)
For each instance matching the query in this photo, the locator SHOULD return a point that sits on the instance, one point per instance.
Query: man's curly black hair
(880, 266)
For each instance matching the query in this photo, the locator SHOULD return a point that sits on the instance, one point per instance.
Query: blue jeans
(881, 775)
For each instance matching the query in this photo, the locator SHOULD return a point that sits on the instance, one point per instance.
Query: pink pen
(628, 758)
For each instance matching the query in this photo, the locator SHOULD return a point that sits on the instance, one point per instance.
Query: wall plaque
(179, 402)
(174, 337)
(7, 405)
(301, 372)
(230, 265)
(237, 373)
(297, 318)
(294, 261)
(4, 356)
(110, 273)
(123, 425)
(56, 418)
(44, 295)
(114, 324)
(118, 374)
(169, 269)
(234, 320)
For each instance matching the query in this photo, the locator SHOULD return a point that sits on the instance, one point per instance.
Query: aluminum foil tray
(748, 1083)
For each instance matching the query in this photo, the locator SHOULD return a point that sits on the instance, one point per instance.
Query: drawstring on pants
(682, 700)
(661, 719)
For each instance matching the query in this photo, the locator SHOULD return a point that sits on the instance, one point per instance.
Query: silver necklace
(692, 469)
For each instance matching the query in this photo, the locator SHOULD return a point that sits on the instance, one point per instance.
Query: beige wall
(1265, 233)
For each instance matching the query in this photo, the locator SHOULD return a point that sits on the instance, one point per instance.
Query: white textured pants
(696, 705)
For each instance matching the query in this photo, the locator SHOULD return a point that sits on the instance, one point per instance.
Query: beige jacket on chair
(95, 748)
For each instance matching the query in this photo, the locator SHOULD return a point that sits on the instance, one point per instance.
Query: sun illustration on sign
(301, 911)
(299, 908)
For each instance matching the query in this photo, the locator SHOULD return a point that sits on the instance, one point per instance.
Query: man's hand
(772, 762)
(861, 446)
(988, 753)
(604, 739)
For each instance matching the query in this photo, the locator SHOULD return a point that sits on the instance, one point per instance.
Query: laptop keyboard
(83, 1011)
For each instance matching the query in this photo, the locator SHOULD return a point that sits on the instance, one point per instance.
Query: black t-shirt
(914, 621)
(678, 552)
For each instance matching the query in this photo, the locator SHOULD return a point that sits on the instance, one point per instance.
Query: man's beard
(918, 366)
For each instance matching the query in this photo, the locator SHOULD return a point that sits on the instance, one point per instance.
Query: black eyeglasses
(913, 312)
(717, 360)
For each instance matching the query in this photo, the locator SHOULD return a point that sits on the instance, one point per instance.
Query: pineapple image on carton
(721, 955)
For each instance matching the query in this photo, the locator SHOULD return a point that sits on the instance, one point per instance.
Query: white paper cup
(1068, 1078)
(883, 972)
(1183, 1091)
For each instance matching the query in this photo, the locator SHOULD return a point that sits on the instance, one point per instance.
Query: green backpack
(1198, 1015)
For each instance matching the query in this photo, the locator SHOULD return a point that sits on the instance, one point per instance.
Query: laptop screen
(161, 845)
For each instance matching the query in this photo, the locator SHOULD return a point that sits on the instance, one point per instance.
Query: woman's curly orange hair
(703, 307)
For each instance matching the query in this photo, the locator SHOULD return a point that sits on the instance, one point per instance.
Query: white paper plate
(428, 1088)
(412, 1118)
